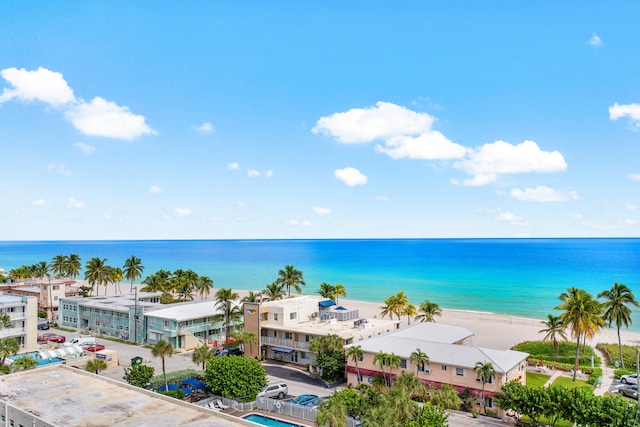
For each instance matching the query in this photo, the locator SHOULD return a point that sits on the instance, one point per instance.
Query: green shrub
(612, 353)
(620, 372)
(566, 354)
(176, 394)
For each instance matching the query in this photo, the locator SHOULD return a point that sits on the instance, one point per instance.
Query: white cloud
(242, 205)
(595, 40)
(154, 189)
(511, 219)
(252, 173)
(431, 145)
(543, 194)
(39, 202)
(383, 121)
(634, 176)
(233, 166)
(350, 176)
(104, 118)
(85, 148)
(321, 211)
(630, 221)
(60, 168)
(107, 216)
(381, 199)
(576, 215)
(181, 212)
(631, 207)
(39, 85)
(296, 223)
(486, 163)
(632, 111)
(205, 128)
(74, 204)
(268, 173)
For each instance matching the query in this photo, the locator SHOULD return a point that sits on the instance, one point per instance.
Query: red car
(93, 347)
(51, 338)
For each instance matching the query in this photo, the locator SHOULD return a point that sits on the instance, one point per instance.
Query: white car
(629, 379)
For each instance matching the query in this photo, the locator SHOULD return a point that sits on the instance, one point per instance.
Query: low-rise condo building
(286, 327)
(23, 312)
(47, 293)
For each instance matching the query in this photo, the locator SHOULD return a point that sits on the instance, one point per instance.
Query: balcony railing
(11, 332)
(298, 345)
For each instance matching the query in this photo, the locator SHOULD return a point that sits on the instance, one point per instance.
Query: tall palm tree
(96, 272)
(204, 286)
(429, 310)
(420, 358)
(274, 291)
(162, 349)
(356, 353)
(327, 291)
(252, 297)
(42, 270)
(395, 304)
(132, 270)
(339, 291)
(394, 361)
(58, 265)
(582, 315)
(201, 355)
(8, 347)
(617, 310)
(96, 365)
(485, 372)
(5, 321)
(290, 277)
(554, 329)
(381, 359)
(115, 276)
(409, 311)
(73, 265)
(226, 302)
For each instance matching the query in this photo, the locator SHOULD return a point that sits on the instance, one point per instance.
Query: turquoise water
(513, 276)
(34, 354)
(266, 421)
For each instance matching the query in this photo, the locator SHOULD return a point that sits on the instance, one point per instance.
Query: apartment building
(48, 293)
(23, 311)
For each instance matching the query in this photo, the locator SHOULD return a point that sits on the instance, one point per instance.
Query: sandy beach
(491, 330)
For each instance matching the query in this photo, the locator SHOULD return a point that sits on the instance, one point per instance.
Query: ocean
(521, 277)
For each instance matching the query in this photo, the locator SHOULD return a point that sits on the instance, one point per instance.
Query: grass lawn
(568, 382)
(536, 380)
(566, 352)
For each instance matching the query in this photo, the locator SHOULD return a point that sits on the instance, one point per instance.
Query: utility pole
(135, 317)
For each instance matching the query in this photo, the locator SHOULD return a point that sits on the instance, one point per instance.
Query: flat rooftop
(68, 397)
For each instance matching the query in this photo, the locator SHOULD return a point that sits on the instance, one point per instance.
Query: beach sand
(491, 330)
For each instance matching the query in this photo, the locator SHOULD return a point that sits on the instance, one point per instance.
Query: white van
(273, 390)
(80, 340)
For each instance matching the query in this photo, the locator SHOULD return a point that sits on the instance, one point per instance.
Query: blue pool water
(266, 421)
(34, 354)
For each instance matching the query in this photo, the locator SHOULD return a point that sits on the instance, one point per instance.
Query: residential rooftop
(122, 302)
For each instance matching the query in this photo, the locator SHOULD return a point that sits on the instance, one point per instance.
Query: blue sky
(354, 119)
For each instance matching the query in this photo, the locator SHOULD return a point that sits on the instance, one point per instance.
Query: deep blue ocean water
(513, 276)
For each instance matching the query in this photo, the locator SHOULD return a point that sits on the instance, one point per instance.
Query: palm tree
(8, 347)
(162, 349)
(73, 265)
(380, 359)
(446, 397)
(394, 361)
(485, 372)
(289, 277)
(42, 270)
(204, 286)
(5, 321)
(582, 315)
(395, 304)
(339, 291)
(58, 265)
(24, 363)
(201, 355)
(409, 311)
(554, 328)
(96, 272)
(274, 291)
(356, 353)
(251, 297)
(420, 358)
(96, 365)
(429, 311)
(332, 412)
(132, 270)
(616, 306)
(327, 291)
(115, 276)
(230, 311)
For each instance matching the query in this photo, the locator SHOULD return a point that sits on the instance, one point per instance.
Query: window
(444, 367)
(288, 336)
(403, 363)
(55, 298)
(460, 372)
(56, 287)
(293, 316)
(275, 317)
(422, 367)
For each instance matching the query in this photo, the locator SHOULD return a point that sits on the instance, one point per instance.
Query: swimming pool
(266, 421)
(34, 354)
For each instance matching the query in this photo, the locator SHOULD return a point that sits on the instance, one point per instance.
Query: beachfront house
(285, 327)
(23, 312)
(451, 360)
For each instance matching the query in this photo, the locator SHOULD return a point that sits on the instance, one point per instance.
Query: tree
(138, 375)
(355, 353)
(273, 291)
(235, 377)
(42, 270)
(96, 365)
(429, 310)
(395, 304)
(226, 303)
(327, 291)
(58, 265)
(411, 384)
(5, 321)
(73, 265)
(162, 349)
(204, 286)
(96, 272)
(332, 413)
(381, 359)
(485, 372)
(554, 329)
(8, 347)
(429, 416)
(290, 277)
(445, 397)
(329, 356)
(339, 291)
(115, 276)
(132, 270)
(420, 359)
(617, 311)
(243, 338)
(394, 361)
(582, 315)
(252, 297)
(409, 311)
(201, 355)
(24, 363)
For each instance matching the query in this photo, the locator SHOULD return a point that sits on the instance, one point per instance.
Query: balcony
(298, 345)
(12, 332)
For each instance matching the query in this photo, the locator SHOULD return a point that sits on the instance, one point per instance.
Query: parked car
(273, 390)
(43, 326)
(317, 403)
(629, 391)
(629, 379)
(305, 400)
(233, 351)
(93, 347)
(51, 337)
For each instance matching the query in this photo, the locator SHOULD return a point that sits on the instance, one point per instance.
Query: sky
(296, 120)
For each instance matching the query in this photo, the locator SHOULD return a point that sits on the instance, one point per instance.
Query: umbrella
(170, 387)
(340, 308)
(186, 390)
(196, 384)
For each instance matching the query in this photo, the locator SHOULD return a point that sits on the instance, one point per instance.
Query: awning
(169, 387)
(326, 303)
(61, 352)
(282, 350)
(196, 384)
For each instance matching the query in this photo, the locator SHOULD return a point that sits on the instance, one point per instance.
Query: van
(274, 390)
(81, 340)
